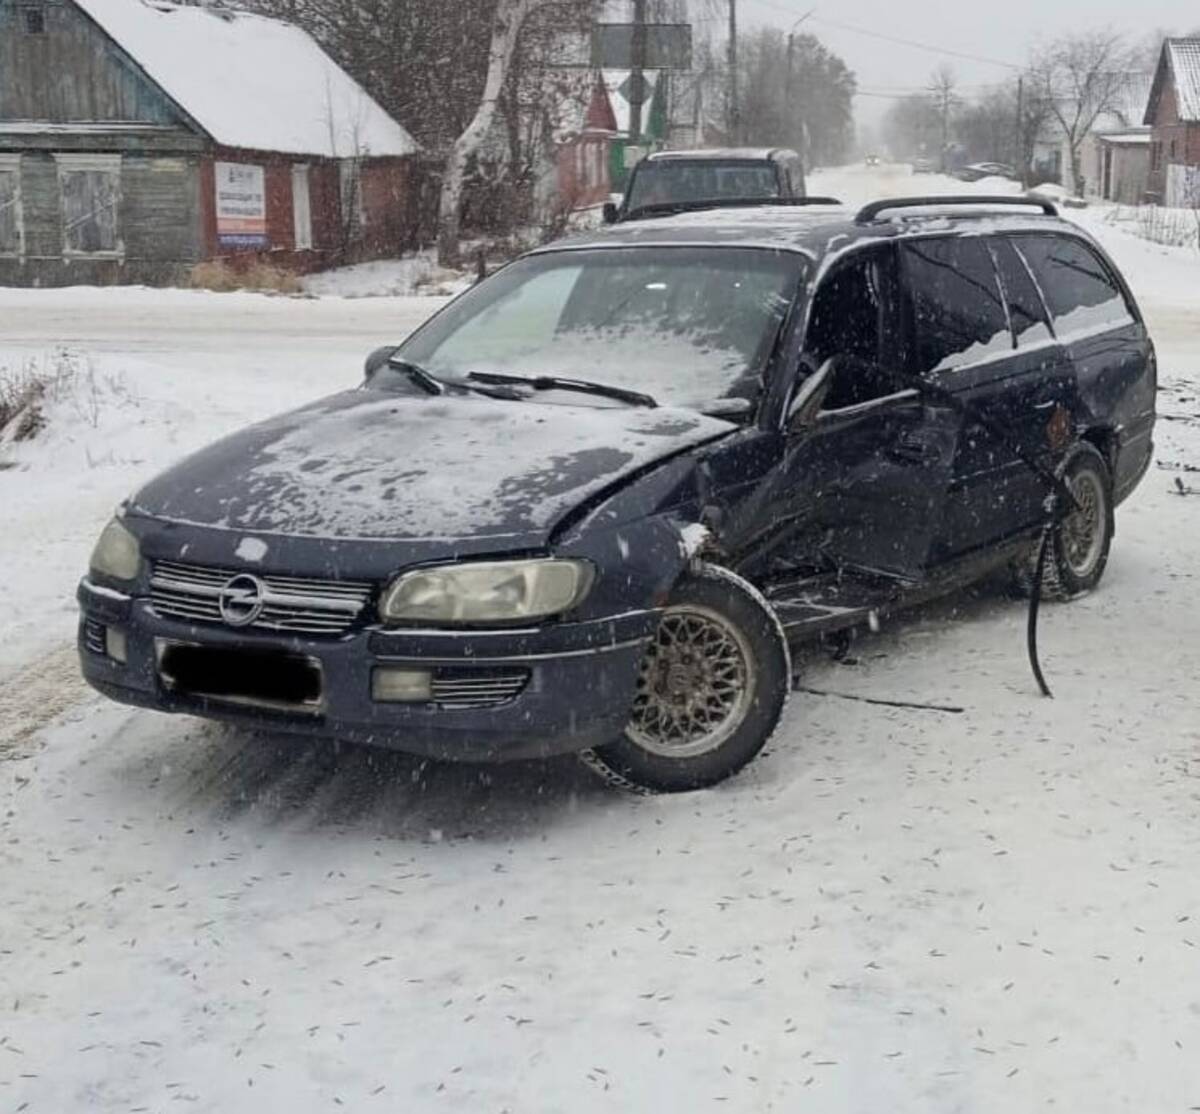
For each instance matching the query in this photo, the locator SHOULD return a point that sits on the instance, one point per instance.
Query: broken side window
(854, 322)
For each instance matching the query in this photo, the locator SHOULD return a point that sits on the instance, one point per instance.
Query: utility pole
(735, 111)
(791, 72)
(637, 76)
(1022, 167)
(942, 90)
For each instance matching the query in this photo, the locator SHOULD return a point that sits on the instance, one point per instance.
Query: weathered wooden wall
(72, 72)
(158, 224)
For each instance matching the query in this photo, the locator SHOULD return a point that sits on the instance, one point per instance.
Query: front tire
(710, 691)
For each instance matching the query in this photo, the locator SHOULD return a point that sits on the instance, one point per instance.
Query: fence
(1160, 224)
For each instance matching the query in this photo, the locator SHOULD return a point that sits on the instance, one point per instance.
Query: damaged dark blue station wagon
(588, 506)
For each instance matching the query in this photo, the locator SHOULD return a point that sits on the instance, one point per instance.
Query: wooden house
(140, 137)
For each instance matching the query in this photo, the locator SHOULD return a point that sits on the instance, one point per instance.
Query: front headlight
(487, 592)
(116, 554)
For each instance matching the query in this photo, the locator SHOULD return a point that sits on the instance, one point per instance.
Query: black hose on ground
(1035, 603)
(1059, 495)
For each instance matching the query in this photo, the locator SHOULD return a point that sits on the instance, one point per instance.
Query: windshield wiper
(435, 386)
(557, 383)
(424, 379)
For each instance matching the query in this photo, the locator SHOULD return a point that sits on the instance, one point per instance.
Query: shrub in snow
(221, 277)
(29, 394)
(21, 395)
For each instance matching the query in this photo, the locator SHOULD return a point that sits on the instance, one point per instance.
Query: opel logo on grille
(241, 600)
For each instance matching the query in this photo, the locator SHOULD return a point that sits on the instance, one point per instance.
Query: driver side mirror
(378, 359)
(611, 212)
(810, 397)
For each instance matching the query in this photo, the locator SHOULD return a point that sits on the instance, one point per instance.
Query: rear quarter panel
(1118, 384)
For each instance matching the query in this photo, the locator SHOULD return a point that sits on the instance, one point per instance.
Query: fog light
(402, 686)
(116, 645)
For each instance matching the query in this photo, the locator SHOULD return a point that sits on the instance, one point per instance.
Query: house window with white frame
(354, 216)
(12, 230)
(90, 186)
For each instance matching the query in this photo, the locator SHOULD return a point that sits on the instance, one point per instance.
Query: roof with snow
(1134, 137)
(1132, 97)
(1180, 60)
(249, 81)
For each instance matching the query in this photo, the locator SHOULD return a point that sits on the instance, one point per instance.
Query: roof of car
(754, 154)
(816, 231)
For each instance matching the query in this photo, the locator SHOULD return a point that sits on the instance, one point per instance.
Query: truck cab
(687, 178)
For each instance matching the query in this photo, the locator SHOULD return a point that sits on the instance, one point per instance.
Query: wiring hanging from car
(1059, 500)
(1035, 601)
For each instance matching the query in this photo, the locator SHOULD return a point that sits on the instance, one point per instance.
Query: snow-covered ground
(414, 274)
(894, 909)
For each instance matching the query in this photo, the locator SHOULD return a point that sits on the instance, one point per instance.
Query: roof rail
(671, 208)
(870, 213)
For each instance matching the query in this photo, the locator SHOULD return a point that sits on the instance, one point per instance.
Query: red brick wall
(389, 212)
(1168, 130)
(384, 191)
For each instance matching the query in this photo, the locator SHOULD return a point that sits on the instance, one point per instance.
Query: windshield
(685, 325)
(657, 183)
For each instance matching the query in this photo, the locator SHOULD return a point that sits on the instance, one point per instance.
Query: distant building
(582, 150)
(1173, 113)
(140, 137)
(1122, 170)
(1114, 154)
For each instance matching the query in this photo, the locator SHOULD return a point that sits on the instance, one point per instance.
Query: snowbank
(412, 275)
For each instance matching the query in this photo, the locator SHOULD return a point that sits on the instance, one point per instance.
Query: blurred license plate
(269, 678)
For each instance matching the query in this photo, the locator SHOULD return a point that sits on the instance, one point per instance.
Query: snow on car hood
(368, 464)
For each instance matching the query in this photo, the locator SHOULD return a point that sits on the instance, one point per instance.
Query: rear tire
(712, 687)
(1080, 542)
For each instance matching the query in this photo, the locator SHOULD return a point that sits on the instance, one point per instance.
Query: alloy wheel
(1083, 528)
(694, 686)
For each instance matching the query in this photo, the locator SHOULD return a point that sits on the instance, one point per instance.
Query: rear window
(1025, 309)
(958, 311)
(1078, 288)
(657, 183)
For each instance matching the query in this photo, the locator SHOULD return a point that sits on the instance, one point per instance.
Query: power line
(929, 47)
(932, 48)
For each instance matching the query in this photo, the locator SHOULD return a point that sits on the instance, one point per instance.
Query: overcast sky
(1003, 30)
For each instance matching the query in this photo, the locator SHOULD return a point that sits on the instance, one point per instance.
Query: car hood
(376, 465)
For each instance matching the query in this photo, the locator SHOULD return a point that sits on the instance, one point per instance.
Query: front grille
(478, 688)
(301, 605)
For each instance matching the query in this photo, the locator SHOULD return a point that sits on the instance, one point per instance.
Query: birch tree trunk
(506, 29)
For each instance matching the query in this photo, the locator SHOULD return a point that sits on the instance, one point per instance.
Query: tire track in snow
(35, 696)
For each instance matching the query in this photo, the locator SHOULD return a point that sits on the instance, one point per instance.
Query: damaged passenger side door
(873, 462)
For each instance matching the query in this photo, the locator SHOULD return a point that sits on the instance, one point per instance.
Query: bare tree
(1081, 77)
(795, 93)
(509, 20)
(911, 125)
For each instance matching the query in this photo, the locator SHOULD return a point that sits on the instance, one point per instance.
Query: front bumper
(580, 686)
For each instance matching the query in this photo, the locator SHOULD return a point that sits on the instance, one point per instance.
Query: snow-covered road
(893, 910)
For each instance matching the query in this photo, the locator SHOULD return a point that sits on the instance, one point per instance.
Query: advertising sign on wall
(241, 205)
